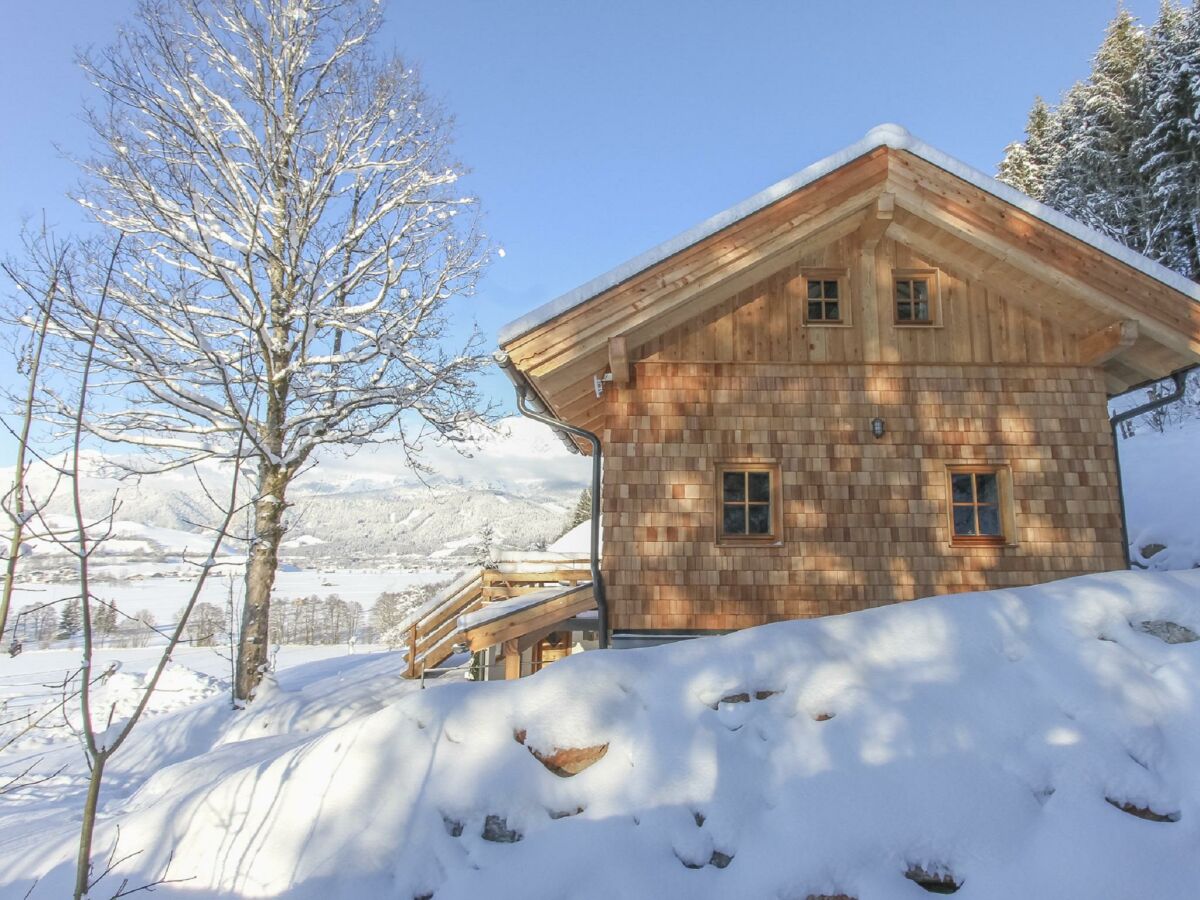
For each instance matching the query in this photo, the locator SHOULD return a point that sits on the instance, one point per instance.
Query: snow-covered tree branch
(294, 236)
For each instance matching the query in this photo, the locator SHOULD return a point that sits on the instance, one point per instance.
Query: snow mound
(1038, 742)
(1162, 494)
(578, 539)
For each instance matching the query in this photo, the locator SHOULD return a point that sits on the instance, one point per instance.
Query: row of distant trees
(43, 624)
(310, 620)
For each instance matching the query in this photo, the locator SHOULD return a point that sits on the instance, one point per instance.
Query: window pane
(964, 520)
(989, 520)
(960, 487)
(832, 311)
(904, 311)
(735, 485)
(734, 519)
(814, 290)
(920, 289)
(760, 519)
(760, 486)
(831, 290)
(814, 310)
(922, 312)
(988, 487)
(904, 290)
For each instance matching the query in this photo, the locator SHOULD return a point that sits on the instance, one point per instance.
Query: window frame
(842, 277)
(775, 507)
(1004, 506)
(934, 279)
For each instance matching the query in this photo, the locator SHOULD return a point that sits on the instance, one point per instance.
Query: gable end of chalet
(1009, 282)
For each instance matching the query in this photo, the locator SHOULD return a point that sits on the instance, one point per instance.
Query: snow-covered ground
(1161, 475)
(991, 738)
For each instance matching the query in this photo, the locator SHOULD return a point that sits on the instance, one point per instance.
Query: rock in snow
(1040, 742)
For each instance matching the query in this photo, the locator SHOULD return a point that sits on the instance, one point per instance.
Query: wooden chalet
(884, 378)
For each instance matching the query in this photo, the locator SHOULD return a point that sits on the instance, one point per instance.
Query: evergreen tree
(1168, 144)
(1097, 180)
(1121, 153)
(485, 547)
(70, 620)
(582, 512)
(1028, 163)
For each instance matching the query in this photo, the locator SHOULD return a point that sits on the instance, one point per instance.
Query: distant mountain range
(365, 509)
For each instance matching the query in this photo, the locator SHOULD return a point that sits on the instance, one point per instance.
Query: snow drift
(1162, 496)
(1039, 742)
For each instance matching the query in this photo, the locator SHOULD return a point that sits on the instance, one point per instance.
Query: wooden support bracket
(618, 359)
(1099, 347)
(878, 221)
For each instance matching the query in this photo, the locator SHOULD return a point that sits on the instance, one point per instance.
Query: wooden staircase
(433, 628)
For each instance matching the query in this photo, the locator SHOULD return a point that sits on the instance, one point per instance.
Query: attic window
(747, 502)
(916, 296)
(979, 505)
(825, 297)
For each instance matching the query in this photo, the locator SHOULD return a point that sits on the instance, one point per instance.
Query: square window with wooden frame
(826, 298)
(980, 505)
(748, 508)
(916, 296)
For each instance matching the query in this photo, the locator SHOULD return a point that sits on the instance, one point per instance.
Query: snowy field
(1162, 495)
(1027, 743)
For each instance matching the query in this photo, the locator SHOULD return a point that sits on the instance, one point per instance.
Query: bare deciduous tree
(102, 741)
(295, 236)
(38, 281)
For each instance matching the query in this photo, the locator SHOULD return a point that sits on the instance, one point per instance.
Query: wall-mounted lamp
(877, 427)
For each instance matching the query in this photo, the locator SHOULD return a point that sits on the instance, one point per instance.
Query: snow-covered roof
(578, 540)
(499, 609)
(889, 135)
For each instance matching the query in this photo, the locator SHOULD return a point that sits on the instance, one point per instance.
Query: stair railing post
(412, 651)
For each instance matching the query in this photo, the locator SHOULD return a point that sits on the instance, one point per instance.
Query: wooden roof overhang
(528, 618)
(1134, 325)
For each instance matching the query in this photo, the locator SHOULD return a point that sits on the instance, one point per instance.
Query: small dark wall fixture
(877, 428)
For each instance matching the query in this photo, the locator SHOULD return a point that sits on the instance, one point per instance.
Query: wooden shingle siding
(865, 520)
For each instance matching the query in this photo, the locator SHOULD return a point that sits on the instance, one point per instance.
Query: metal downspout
(1180, 379)
(524, 389)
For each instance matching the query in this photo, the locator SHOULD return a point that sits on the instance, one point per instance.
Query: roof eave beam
(1108, 343)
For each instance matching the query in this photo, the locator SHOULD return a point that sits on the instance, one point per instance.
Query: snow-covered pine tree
(582, 511)
(1124, 148)
(294, 235)
(70, 620)
(1096, 180)
(1167, 148)
(1027, 163)
(484, 551)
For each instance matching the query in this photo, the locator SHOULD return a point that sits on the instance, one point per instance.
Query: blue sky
(597, 130)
